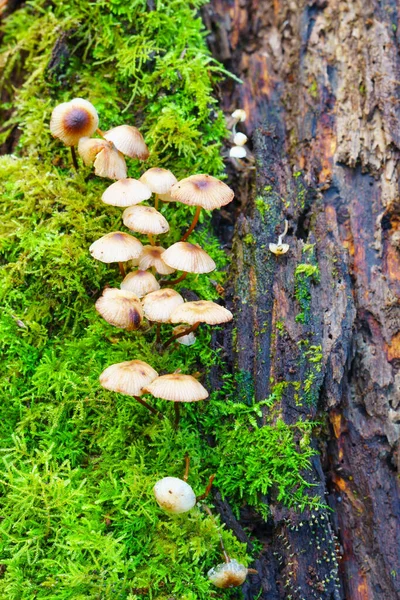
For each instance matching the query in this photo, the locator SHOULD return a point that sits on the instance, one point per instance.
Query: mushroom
(73, 120)
(160, 182)
(126, 192)
(120, 308)
(202, 191)
(239, 115)
(128, 140)
(182, 337)
(146, 220)
(237, 152)
(129, 378)
(140, 283)
(239, 139)
(116, 247)
(88, 149)
(280, 247)
(152, 256)
(227, 575)
(189, 258)
(194, 313)
(159, 305)
(174, 495)
(110, 163)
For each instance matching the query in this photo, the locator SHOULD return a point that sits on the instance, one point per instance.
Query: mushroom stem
(178, 335)
(177, 407)
(175, 281)
(207, 490)
(74, 159)
(122, 269)
(150, 408)
(221, 542)
(252, 571)
(100, 132)
(193, 225)
(158, 333)
(156, 201)
(151, 239)
(187, 465)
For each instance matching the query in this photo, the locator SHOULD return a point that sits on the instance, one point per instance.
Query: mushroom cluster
(143, 300)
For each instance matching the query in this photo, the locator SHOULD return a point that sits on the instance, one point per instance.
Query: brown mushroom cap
(177, 388)
(88, 148)
(159, 180)
(228, 575)
(116, 247)
(188, 257)
(140, 283)
(126, 192)
(129, 141)
(203, 311)
(128, 377)
(73, 120)
(145, 219)
(120, 308)
(110, 163)
(159, 305)
(202, 190)
(152, 256)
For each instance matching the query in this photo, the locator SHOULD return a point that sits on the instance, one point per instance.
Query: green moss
(305, 274)
(248, 239)
(78, 462)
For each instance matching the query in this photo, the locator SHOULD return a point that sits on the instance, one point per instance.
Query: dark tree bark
(321, 88)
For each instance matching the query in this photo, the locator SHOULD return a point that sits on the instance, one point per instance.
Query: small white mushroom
(239, 139)
(237, 152)
(174, 495)
(228, 575)
(280, 247)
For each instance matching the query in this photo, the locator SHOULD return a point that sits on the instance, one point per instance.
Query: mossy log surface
(321, 90)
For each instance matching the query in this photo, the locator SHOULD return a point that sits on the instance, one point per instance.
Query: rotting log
(321, 89)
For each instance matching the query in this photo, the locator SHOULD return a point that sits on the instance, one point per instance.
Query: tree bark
(320, 87)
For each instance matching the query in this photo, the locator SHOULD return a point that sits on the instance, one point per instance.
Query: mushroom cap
(128, 377)
(203, 311)
(152, 256)
(279, 249)
(185, 340)
(159, 180)
(177, 388)
(126, 192)
(140, 283)
(228, 575)
(145, 219)
(202, 190)
(237, 152)
(174, 495)
(88, 149)
(188, 257)
(129, 141)
(116, 247)
(73, 120)
(159, 305)
(110, 163)
(120, 308)
(239, 139)
(239, 114)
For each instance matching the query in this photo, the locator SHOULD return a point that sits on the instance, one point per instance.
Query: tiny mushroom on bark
(239, 115)
(202, 191)
(152, 256)
(280, 248)
(227, 575)
(129, 378)
(126, 192)
(128, 140)
(140, 283)
(120, 308)
(237, 152)
(116, 247)
(239, 139)
(189, 258)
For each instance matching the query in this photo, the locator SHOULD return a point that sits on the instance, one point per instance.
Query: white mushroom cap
(237, 152)
(129, 141)
(140, 283)
(185, 340)
(145, 219)
(188, 257)
(110, 163)
(202, 190)
(129, 377)
(120, 308)
(177, 388)
(116, 247)
(279, 249)
(159, 180)
(239, 139)
(203, 311)
(126, 192)
(73, 120)
(239, 115)
(152, 256)
(88, 148)
(159, 305)
(228, 575)
(174, 495)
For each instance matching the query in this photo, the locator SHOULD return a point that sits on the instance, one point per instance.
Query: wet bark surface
(321, 90)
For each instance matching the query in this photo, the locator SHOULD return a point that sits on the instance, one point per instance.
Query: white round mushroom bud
(239, 139)
(228, 575)
(174, 495)
(239, 114)
(237, 152)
